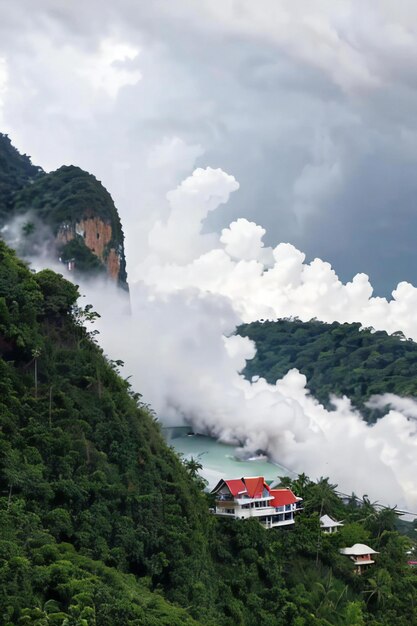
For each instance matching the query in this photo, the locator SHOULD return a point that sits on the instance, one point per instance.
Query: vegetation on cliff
(337, 359)
(82, 462)
(102, 523)
(59, 200)
(16, 171)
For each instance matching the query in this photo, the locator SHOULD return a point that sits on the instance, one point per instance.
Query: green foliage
(16, 171)
(67, 195)
(86, 261)
(102, 524)
(58, 200)
(81, 460)
(337, 359)
(59, 295)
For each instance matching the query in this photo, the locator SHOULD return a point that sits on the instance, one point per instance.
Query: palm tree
(322, 497)
(368, 510)
(385, 520)
(286, 482)
(301, 484)
(192, 466)
(379, 589)
(380, 519)
(36, 352)
(330, 597)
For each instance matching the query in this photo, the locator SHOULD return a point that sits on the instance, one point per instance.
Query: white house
(243, 498)
(329, 525)
(361, 555)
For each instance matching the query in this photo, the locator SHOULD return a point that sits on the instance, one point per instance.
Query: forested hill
(103, 525)
(88, 490)
(79, 213)
(340, 359)
(16, 171)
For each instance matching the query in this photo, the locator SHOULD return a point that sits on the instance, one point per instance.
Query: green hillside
(83, 467)
(16, 171)
(340, 359)
(103, 525)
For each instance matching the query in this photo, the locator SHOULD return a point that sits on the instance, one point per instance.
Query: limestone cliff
(88, 235)
(97, 235)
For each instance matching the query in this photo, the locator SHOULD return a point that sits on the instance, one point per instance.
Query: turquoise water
(219, 459)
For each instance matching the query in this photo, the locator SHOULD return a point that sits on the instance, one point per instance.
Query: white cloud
(180, 349)
(175, 347)
(171, 150)
(317, 34)
(235, 268)
(243, 240)
(179, 238)
(314, 110)
(105, 69)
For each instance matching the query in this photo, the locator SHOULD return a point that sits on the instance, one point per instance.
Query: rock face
(97, 235)
(86, 230)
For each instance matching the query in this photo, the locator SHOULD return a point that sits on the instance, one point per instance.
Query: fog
(187, 298)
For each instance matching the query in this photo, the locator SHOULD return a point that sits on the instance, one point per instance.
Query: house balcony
(276, 524)
(268, 516)
(363, 561)
(225, 512)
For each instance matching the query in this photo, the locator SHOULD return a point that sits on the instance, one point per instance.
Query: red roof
(254, 486)
(282, 497)
(236, 486)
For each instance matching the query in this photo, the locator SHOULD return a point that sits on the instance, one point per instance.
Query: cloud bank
(312, 106)
(179, 346)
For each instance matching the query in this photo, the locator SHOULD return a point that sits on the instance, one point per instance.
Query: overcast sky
(311, 106)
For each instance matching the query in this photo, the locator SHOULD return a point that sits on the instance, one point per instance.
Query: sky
(311, 106)
(262, 158)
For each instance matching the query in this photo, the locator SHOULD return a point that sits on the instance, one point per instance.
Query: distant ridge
(337, 359)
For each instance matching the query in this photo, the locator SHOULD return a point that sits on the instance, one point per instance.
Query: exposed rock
(97, 235)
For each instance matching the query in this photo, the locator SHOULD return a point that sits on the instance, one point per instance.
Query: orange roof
(254, 486)
(282, 497)
(236, 486)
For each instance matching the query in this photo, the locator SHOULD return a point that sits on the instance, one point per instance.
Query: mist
(179, 348)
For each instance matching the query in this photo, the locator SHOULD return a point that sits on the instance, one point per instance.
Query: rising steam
(193, 288)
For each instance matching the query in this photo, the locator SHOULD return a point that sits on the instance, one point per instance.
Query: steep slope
(16, 171)
(101, 524)
(339, 359)
(85, 231)
(81, 461)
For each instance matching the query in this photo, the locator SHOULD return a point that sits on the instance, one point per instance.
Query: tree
(193, 466)
(379, 588)
(322, 497)
(354, 614)
(59, 294)
(382, 520)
